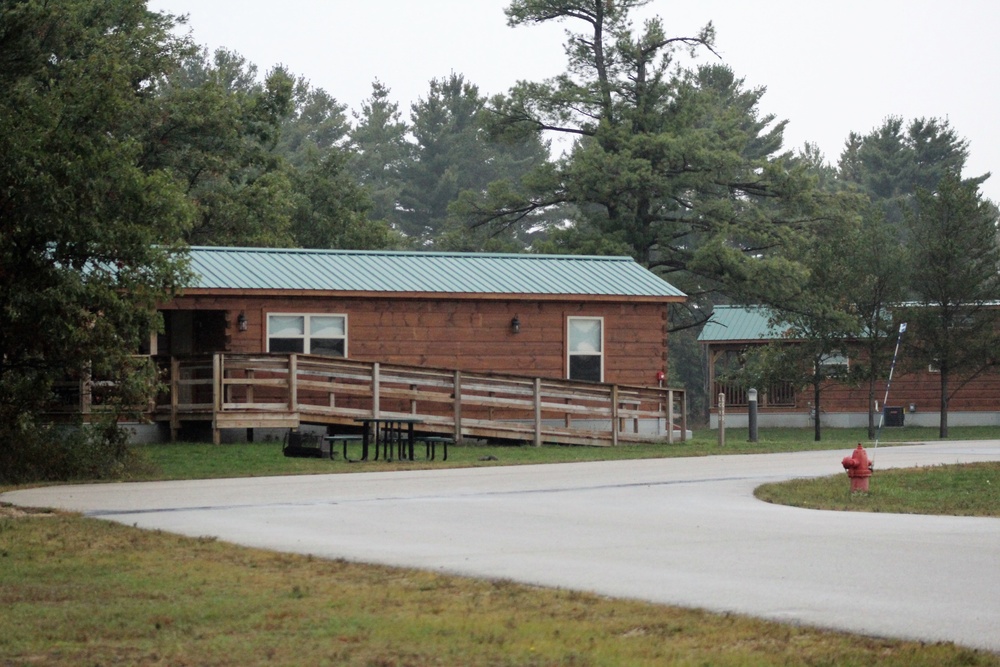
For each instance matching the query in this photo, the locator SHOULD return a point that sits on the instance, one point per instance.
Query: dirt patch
(13, 512)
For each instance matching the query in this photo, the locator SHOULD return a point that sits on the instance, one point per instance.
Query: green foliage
(453, 154)
(380, 152)
(892, 162)
(49, 452)
(314, 126)
(330, 207)
(214, 130)
(679, 166)
(899, 260)
(954, 253)
(876, 284)
(86, 224)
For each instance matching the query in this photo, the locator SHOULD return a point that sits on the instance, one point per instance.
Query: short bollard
(859, 469)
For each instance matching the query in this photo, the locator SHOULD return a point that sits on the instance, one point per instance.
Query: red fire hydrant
(858, 468)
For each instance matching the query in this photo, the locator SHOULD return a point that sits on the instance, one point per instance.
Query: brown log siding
(466, 333)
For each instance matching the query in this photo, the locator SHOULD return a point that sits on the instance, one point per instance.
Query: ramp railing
(251, 391)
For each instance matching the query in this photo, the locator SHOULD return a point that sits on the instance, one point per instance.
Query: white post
(722, 420)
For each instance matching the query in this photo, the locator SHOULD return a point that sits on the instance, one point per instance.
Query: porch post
(684, 415)
(376, 391)
(293, 382)
(216, 397)
(670, 416)
(538, 412)
(457, 405)
(614, 415)
(175, 391)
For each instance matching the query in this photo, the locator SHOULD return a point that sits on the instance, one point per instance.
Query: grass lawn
(206, 461)
(971, 489)
(78, 591)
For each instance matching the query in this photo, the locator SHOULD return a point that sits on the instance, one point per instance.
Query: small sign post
(722, 420)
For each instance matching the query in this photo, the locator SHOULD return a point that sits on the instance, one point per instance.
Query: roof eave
(463, 296)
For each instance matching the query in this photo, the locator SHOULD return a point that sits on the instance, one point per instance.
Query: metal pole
(752, 414)
(892, 367)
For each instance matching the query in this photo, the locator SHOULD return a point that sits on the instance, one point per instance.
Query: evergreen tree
(380, 153)
(314, 126)
(893, 161)
(330, 209)
(877, 275)
(453, 156)
(954, 255)
(216, 133)
(818, 323)
(678, 165)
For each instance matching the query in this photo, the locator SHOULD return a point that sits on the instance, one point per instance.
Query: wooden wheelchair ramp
(240, 391)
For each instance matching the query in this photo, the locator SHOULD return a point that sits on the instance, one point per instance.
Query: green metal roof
(423, 272)
(737, 323)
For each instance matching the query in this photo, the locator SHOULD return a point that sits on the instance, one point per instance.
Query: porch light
(241, 321)
(515, 325)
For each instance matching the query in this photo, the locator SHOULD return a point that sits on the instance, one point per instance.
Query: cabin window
(835, 363)
(307, 334)
(585, 358)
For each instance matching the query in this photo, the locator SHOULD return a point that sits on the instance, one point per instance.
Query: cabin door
(190, 333)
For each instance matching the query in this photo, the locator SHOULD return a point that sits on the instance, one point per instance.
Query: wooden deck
(243, 391)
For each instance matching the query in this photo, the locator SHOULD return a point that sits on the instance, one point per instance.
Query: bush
(63, 453)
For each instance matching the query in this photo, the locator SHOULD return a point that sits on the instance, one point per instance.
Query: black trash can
(893, 416)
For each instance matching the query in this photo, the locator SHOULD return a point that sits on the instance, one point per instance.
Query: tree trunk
(943, 427)
(871, 408)
(816, 393)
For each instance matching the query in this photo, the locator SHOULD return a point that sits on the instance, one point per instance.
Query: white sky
(830, 67)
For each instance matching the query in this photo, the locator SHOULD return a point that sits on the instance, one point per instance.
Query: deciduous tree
(85, 227)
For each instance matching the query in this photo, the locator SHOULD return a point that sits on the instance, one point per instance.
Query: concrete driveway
(675, 531)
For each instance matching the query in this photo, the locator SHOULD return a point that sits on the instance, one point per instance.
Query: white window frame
(836, 360)
(307, 317)
(569, 350)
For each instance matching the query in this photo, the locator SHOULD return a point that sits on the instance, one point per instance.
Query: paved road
(677, 531)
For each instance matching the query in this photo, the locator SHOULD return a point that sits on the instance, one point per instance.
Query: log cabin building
(602, 319)
(914, 398)
(565, 318)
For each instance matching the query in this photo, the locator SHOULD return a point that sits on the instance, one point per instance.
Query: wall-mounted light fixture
(515, 325)
(241, 321)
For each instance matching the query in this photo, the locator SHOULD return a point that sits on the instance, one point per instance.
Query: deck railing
(251, 391)
(779, 394)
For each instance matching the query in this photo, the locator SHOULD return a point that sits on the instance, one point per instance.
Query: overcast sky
(829, 67)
